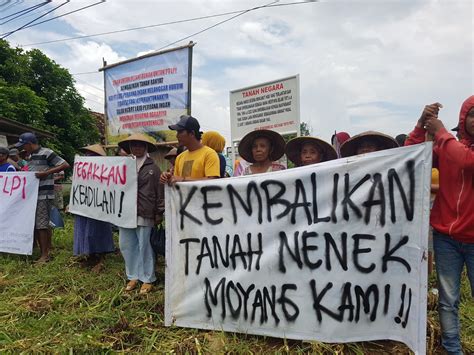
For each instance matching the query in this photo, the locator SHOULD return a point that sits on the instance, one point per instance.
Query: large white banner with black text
(334, 252)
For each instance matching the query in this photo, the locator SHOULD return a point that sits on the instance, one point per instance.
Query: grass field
(61, 307)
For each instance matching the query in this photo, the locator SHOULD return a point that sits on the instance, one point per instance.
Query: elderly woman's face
(367, 146)
(310, 154)
(138, 148)
(261, 149)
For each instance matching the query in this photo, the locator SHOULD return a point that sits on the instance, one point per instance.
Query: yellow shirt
(434, 181)
(203, 162)
(434, 176)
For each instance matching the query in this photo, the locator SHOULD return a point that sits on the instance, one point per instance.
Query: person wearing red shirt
(452, 215)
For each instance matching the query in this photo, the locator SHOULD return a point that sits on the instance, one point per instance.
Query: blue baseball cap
(26, 138)
(186, 122)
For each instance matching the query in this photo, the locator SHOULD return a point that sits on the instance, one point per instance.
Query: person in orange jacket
(452, 215)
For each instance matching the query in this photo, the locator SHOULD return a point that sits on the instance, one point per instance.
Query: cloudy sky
(363, 65)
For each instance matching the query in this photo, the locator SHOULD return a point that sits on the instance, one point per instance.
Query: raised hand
(430, 111)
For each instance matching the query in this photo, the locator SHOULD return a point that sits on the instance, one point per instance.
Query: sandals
(97, 269)
(131, 285)
(146, 288)
(42, 260)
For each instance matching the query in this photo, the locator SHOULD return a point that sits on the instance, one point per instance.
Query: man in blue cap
(198, 162)
(45, 163)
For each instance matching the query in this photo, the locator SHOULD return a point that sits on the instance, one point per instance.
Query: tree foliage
(305, 129)
(35, 90)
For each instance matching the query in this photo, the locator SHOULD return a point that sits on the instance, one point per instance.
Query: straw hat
(349, 148)
(137, 137)
(278, 144)
(293, 149)
(94, 148)
(172, 153)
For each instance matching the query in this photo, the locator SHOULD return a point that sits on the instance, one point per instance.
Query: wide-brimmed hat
(349, 148)
(278, 144)
(172, 153)
(137, 137)
(94, 148)
(293, 149)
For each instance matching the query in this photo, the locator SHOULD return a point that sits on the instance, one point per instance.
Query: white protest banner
(273, 105)
(105, 188)
(18, 197)
(148, 93)
(334, 252)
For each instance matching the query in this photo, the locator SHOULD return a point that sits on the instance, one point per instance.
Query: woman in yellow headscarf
(216, 141)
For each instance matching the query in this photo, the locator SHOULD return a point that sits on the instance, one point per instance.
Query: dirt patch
(40, 306)
(121, 335)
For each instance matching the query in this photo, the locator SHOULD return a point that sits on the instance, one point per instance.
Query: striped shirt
(44, 159)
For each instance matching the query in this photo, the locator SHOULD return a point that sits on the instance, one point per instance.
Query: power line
(33, 8)
(23, 12)
(11, 5)
(32, 14)
(87, 72)
(18, 29)
(82, 92)
(132, 29)
(163, 24)
(87, 92)
(92, 86)
(62, 15)
(101, 103)
(217, 24)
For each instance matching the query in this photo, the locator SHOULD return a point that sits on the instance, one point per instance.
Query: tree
(37, 91)
(22, 104)
(305, 129)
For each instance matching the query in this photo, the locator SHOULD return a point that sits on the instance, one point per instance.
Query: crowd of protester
(199, 157)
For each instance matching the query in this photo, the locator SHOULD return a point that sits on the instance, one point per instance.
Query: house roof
(12, 130)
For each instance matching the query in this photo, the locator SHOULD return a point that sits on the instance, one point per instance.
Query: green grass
(61, 307)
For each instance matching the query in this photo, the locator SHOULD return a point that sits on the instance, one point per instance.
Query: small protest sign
(105, 188)
(18, 198)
